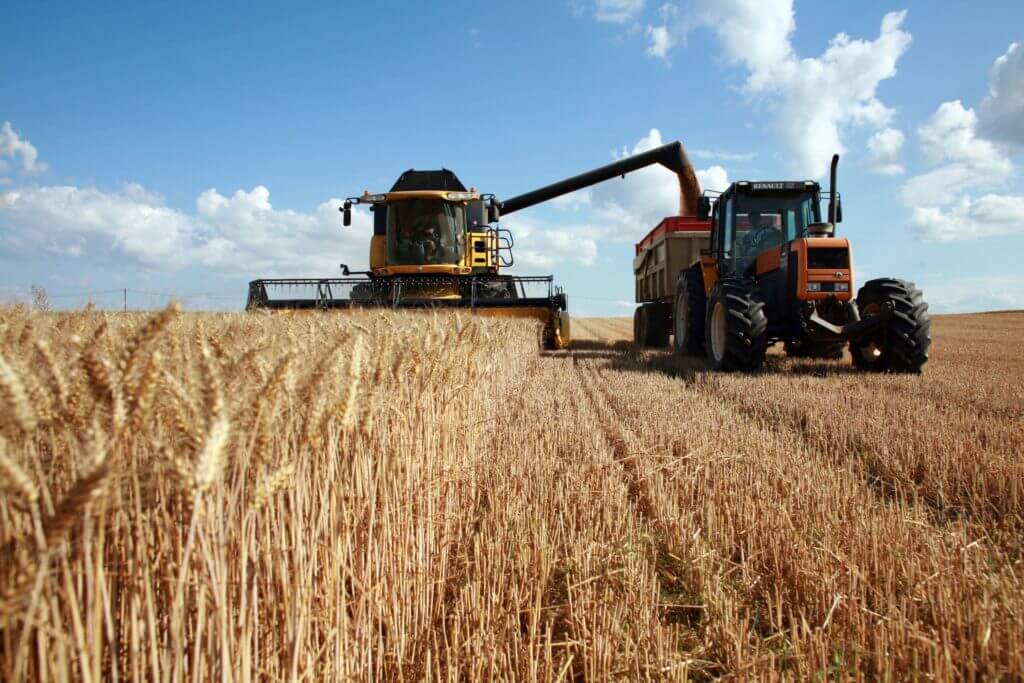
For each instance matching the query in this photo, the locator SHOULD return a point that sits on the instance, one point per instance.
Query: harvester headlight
(373, 198)
(813, 286)
(842, 286)
(460, 196)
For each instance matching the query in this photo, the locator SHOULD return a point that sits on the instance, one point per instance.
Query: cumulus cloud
(541, 246)
(986, 293)
(617, 11)
(986, 216)
(942, 200)
(813, 99)
(884, 149)
(1002, 110)
(963, 161)
(13, 146)
(242, 234)
(661, 41)
(719, 155)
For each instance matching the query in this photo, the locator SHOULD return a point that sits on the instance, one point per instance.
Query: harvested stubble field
(409, 496)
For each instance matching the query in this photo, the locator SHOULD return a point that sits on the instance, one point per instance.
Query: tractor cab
(752, 219)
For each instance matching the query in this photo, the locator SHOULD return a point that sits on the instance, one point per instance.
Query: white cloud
(814, 99)
(949, 138)
(713, 178)
(12, 145)
(540, 246)
(986, 216)
(617, 11)
(1002, 111)
(884, 149)
(951, 135)
(241, 234)
(721, 156)
(943, 208)
(661, 41)
(987, 293)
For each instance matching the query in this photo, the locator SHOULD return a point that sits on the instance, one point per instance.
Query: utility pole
(125, 292)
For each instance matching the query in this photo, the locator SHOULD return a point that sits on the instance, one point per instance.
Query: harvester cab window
(425, 232)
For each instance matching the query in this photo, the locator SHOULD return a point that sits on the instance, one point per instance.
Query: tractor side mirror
(704, 208)
(493, 212)
(346, 212)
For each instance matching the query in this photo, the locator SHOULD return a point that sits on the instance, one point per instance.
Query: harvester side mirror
(493, 212)
(704, 208)
(346, 212)
(839, 211)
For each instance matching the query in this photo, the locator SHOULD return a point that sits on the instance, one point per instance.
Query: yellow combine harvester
(433, 246)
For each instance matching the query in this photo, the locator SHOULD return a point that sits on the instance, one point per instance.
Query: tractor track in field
(860, 455)
(683, 606)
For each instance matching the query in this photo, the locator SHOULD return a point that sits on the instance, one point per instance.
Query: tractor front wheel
(736, 334)
(901, 343)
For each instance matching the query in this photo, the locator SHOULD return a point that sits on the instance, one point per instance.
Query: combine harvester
(433, 246)
(436, 244)
(757, 265)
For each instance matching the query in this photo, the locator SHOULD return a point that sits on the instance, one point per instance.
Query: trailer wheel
(690, 308)
(736, 334)
(651, 326)
(808, 349)
(901, 345)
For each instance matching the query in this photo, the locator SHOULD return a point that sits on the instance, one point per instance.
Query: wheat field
(403, 496)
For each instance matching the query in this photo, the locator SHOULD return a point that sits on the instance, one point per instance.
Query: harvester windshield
(425, 231)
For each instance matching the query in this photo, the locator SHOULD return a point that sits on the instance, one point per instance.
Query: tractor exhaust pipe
(832, 189)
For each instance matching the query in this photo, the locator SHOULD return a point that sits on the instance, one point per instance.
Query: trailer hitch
(859, 327)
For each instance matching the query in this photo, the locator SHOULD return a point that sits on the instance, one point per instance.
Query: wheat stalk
(354, 368)
(14, 479)
(274, 482)
(13, 389)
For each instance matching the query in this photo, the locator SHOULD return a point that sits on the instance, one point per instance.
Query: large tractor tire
(902, 343)
(736, 334)
(808, 349)
(651, 326)
(690, 310)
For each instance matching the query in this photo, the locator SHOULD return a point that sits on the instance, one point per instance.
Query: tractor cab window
(767, 221)
(425, 232)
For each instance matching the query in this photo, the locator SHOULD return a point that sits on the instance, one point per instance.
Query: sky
(179, 150)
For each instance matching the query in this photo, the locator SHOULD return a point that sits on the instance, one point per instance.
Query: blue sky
(183, 150)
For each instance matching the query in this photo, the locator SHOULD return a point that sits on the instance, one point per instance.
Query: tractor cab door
(722, 236)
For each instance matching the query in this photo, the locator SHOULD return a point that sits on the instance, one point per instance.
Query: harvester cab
(429, 223)
(435, 244)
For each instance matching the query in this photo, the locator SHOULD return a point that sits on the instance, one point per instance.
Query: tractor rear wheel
(690, 309)
(736, 334)
(808, 349)
(901, 344)
(651, 326)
